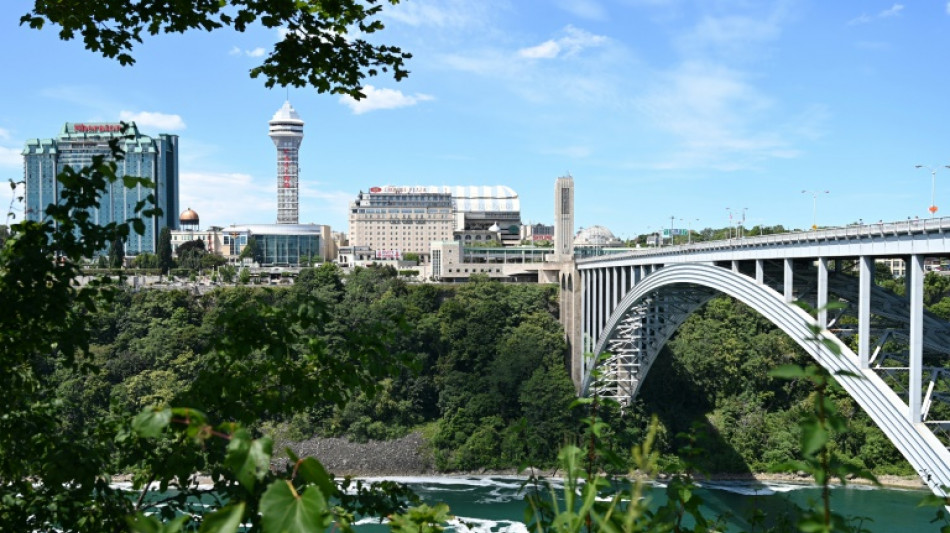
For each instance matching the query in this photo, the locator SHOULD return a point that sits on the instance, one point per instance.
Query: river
(496, 504)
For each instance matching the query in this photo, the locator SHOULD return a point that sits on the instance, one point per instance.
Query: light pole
(933, 188)
(814, 206)
(689, 229)
(738, 222)
(672, 241)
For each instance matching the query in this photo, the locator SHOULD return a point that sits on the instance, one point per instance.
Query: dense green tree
(251, 251)
(116, 253)
(165, 261)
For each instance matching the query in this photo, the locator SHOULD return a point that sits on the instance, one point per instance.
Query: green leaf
(932, 500)
(313, 472)
(248, 459)
(283, 510)
(149, 524)
(814, 437)
(224, 520)
(788, 372)
(151, 421)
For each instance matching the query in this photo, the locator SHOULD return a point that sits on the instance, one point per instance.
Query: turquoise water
(496, 504)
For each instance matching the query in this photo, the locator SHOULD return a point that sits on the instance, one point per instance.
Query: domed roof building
(596, 236)
(188, 220)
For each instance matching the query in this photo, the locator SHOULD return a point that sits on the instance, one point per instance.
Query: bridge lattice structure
(621, 309)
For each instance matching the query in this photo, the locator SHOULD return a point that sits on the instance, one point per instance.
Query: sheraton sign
(97, 128)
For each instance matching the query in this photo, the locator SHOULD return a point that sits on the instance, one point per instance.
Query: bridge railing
(852, 232)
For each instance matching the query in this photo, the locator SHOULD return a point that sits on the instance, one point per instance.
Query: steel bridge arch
(660, 290)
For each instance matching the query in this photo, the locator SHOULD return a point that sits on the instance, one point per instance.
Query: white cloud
(440, 13)
(382, 99)
(147, 119)
(573, 41)
(892, 11)
(720, 120)
(545, 50)
(222, 198)
(10, 158)
(588, 9)
(256, 52)
(4, 134)
(948, 8)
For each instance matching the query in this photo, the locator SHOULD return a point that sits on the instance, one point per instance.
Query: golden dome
(188, 216)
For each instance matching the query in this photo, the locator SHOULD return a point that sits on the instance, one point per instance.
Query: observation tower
(286, 130)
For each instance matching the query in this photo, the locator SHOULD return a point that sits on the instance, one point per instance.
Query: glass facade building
(284, 244)
(155, 158)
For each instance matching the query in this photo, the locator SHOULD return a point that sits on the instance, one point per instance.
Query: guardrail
(853, 232)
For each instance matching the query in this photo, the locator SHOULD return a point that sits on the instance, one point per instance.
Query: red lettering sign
(97, 128)
(374, 189)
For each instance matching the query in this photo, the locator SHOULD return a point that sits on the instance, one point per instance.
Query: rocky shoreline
(410, 456)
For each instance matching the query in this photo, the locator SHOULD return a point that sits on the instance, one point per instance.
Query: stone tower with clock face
(564, 218)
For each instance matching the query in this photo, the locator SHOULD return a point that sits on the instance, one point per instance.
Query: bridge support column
(759, 272)
(735, 266)
(822, 296)
(618, 286)
(866, 268)
(915, 274)
(623, 284)
(787, 281)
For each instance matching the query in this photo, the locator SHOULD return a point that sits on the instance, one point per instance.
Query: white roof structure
(285, 113)
(474, 198)
(595, 235)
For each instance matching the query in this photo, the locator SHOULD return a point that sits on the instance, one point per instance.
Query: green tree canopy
(325, 43)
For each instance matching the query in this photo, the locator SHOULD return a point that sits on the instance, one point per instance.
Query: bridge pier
(865, 278)
(915, 274)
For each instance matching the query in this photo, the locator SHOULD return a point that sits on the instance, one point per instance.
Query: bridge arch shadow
(650, 313)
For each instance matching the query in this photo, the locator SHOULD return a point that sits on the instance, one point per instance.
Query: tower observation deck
(286, 130)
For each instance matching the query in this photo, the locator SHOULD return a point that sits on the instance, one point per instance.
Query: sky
(696, 110)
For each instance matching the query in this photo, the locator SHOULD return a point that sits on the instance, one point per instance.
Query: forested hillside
(480, 368)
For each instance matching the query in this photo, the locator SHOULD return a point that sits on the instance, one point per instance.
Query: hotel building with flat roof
(155, 158)
(393, 221)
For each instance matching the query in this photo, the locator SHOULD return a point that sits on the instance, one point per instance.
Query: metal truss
(641, 333)
(890, 340)
(647, 316)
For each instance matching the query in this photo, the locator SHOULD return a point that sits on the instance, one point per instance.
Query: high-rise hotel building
(155, 158)
(286, 130)
(393, 221)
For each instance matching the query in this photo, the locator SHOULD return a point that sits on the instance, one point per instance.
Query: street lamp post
(933, 188)
(738, 222)
(814, 206)
(689, 229)
(672, 241)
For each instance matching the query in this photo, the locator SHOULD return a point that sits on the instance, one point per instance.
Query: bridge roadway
(620, 309)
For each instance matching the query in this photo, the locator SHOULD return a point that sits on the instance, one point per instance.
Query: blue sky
(658, 108)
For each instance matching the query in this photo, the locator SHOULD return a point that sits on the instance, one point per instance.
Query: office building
(155, 158)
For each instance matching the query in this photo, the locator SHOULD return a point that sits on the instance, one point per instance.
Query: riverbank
(411, 456)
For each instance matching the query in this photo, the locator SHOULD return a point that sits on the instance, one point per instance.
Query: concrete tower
(564, 218)
(286, 130)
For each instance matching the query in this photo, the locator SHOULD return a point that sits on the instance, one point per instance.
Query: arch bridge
(627, 305)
